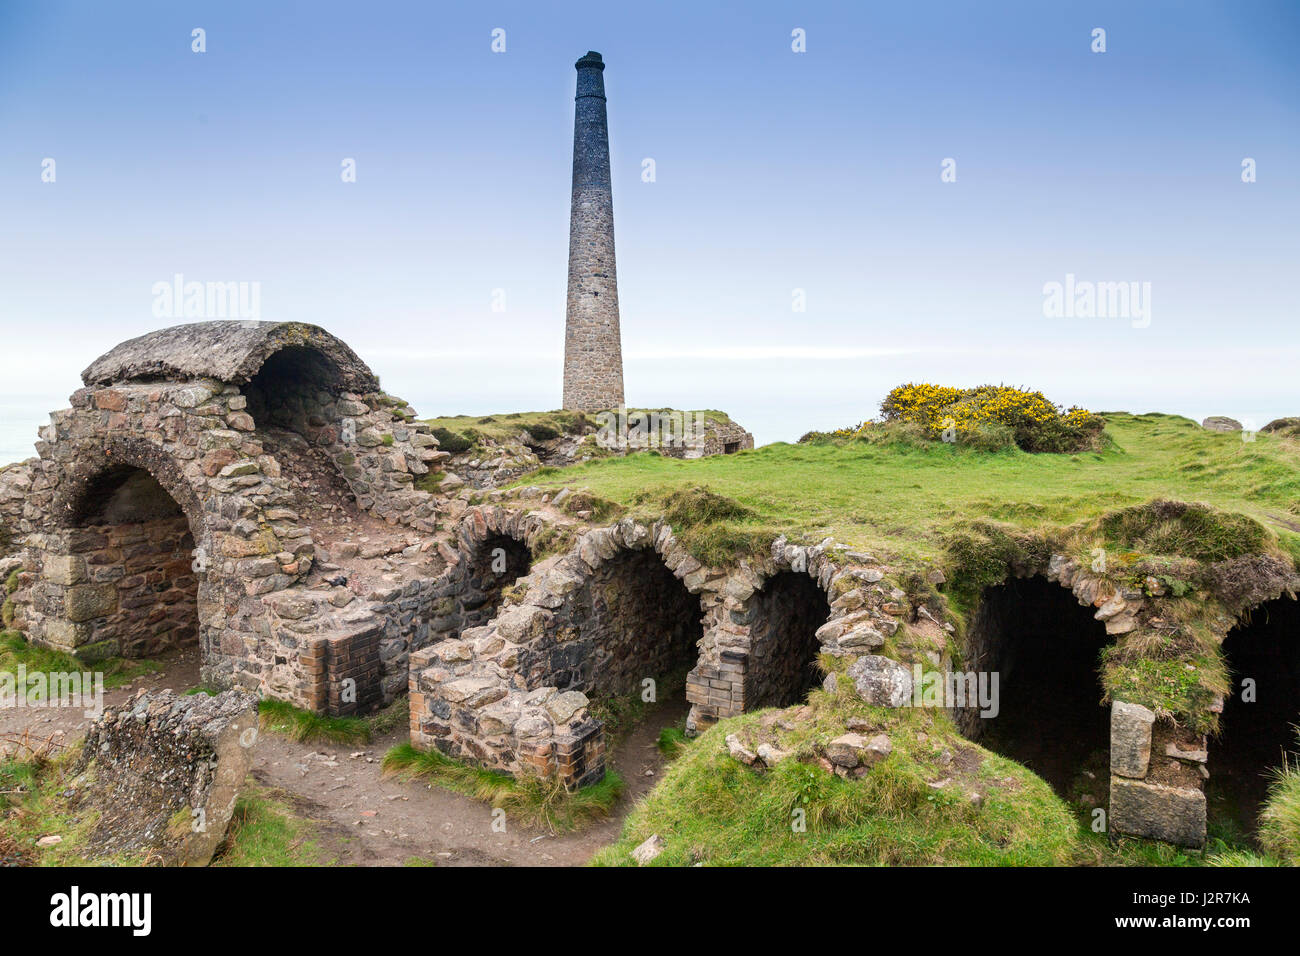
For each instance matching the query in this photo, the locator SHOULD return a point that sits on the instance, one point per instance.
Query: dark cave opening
(1044, 648)
(637, 622)
(785, 616)
(1258, 725)
(292, 390)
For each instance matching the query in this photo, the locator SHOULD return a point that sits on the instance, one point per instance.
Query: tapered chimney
(593, 353)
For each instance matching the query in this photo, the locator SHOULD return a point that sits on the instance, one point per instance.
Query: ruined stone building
(248, 488)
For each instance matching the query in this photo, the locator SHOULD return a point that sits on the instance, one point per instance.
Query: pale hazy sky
(775, 171)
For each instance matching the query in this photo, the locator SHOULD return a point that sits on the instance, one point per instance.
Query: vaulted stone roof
(230, 351)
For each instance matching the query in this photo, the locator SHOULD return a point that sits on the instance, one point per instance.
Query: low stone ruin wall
(1157, 772)
(514, 694)
(164, 773)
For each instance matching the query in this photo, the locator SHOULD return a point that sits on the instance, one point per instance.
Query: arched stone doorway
(784, 616)
(635, 621)
(1045, 649)
(124, 583)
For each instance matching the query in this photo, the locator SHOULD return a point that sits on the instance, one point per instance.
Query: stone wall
(166, 772)
(514, 694)
(116, 582)
(133, 584)
(1157, 772)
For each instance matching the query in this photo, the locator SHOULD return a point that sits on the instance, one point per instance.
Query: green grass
(711, 809)
(458, 433)
(532, 802)
(295, 723)
(15, 651)
(265, 831)
(1279, 823)
(903, 499)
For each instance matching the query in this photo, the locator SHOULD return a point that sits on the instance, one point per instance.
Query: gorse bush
(992, 417)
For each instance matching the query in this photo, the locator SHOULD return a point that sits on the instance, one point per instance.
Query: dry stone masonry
(248, 486)
(164, 773)
(155, 512)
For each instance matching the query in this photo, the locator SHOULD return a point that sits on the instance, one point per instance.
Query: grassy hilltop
(971, 509)
(901, 497)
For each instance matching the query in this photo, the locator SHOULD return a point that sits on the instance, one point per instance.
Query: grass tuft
(295, 723)
(533, 802)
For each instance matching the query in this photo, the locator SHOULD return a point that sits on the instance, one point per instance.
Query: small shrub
(1191, 530)
(991, 417)
(539, 431)
(450, 441)
(602, 509)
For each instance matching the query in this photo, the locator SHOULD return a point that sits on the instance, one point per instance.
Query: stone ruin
(192, 493)
(250, 488)
(164, 773)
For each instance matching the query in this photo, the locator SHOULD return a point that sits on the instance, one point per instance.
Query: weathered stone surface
(881, 681)
(1221, 423)
(228, 351)
(84, 602)
(772, 755)
(562, 707)
(739, 751)
(843, 750)
(1173, 814)
(648, 850)
(167, 771)
(1130, 739)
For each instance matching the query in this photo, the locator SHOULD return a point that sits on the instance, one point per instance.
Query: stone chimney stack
(593, 353)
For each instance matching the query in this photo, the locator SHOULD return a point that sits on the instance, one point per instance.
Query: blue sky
(775, 171)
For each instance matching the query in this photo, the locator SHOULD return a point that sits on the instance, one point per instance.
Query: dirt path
(362, 818)
(369, 820)
(180, 672)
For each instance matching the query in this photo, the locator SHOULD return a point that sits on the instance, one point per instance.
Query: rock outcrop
(164, 772)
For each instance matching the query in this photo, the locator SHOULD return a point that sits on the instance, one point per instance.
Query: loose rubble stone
(648, 850)
(167, 771)
(881, 681)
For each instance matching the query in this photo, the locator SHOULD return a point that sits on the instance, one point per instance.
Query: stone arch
(121, 575)
(1256, 736)
(491, 556)
(748, 659)
(784, 616)
(633, 621)
(513, 694)
(91, 462)
(1044, 646)
(636, 610)
(297, 388)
